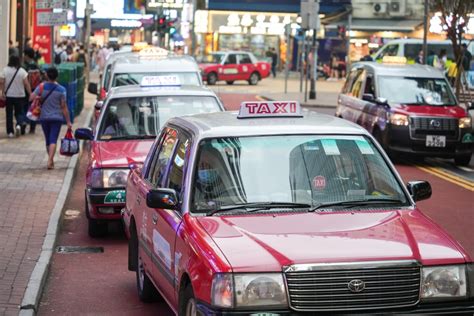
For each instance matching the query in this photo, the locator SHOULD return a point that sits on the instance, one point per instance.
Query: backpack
(57, 57)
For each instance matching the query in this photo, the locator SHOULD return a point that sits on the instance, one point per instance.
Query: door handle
(154, 218)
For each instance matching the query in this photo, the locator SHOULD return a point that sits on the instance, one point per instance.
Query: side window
(370, 85)
(231, 59)
(412, 51)
(244, 59)
(176, 174)
(350, 80)
(356, 88)
(163, 155)
(390, 50)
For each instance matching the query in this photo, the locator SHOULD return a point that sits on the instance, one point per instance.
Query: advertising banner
(42, 37)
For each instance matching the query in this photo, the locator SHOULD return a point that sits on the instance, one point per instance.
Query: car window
(231, 59)
(312, 169)
(135, 78)
(370, 85)
(244, 59)
(412, 51)
(162, 159)
(390, 50)
(107, 72)
(176, 174)
(356, 88)
(350, 80)
(437, 48)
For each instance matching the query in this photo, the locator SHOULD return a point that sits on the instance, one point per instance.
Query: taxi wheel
(97, 229)
(462, 160)
(188, 307)
(146, 290)
(211, 78)
(230, 82)
(253, 80)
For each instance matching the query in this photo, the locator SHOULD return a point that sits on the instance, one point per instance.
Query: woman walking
(13, 83)
(53, 111)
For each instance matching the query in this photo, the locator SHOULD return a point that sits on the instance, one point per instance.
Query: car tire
(462, 160)
(188, 302)
(146, 289)
(211, 78)
(254, 78)
(230, 82)
(97, 229)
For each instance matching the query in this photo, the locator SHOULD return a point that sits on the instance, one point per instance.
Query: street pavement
(28, 194)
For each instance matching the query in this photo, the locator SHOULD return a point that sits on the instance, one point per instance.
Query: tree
(454, 18)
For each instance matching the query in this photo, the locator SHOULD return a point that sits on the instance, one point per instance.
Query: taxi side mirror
(470, 106)
(381, 101)
(162, 198)
(98, 105)
(419, 190)
(368, 97)
(84, 133)
(92, 88)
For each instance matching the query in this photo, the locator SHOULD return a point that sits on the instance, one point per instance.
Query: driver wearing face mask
(209, 184)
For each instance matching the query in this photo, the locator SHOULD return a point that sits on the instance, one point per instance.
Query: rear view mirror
(98, 105)
(84, 133)
(381, 101)
(162, 198)
(419, 190)
(92, 88)
(368, 97)
(470, 106)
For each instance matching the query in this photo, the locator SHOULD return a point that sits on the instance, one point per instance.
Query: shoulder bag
(3, 102)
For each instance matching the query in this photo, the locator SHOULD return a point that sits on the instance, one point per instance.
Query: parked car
(232, 66)
(409, 109)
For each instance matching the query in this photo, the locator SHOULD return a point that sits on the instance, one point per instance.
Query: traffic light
(170, 27)
(162, 23)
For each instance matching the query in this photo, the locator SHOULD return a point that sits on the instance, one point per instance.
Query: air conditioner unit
(379, 8)
(398, 8)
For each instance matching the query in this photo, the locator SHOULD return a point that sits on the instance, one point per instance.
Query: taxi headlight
(443, 282)
(399, 119)
(249, 290)
(465, 122)
(109, 178)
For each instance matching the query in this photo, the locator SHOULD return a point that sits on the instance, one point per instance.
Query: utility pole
(4, 34)
(87, 35)
(425, 33)
(193, 32)
(315, 26)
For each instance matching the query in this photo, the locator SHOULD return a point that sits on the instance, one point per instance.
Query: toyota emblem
(356, 286)
(435, 123)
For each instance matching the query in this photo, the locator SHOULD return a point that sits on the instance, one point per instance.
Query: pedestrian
(443, 59)
(466, 57)
(34, 78)
(60, 55)
(102, 56)
(81, 56)
(432, 59)
(419, 59)
(13, 84)
(53, 111)
(334, 67)
(274, 57)
(12, 50)
(369, 57)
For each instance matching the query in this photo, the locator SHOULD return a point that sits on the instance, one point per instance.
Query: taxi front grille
(421, 126)
(329, 290)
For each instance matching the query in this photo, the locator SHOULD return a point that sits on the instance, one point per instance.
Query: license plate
(435, 141)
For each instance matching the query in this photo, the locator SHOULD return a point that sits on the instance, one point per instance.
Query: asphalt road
(100, 284)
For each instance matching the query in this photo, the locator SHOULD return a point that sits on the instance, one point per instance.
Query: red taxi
(275, 211)
(232, 66)
(128, 124)
(409, 109)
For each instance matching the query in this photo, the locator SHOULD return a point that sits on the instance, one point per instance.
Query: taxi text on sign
(270, 109)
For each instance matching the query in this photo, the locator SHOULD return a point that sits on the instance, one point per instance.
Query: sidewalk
(28, 195)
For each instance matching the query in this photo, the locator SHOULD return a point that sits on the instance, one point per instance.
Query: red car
(232, 66)
(129, 121)
(275, 212)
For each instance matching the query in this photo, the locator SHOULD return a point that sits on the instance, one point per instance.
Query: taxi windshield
(407, 90)
(126, 79)
(142, 117)
(305, 169)
(212, 59)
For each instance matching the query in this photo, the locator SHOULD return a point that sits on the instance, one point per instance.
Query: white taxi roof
(139, 91)
(401, 70)
(168, 64)
(227, 124)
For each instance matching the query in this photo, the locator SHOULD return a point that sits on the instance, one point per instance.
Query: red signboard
(42, 38)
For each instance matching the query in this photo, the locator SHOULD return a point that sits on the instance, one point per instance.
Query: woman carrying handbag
(13, 83)
(53, 111)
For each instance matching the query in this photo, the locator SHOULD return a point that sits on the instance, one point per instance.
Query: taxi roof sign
(153, 52)
(394, 60)
(160, 81)
(251, 109)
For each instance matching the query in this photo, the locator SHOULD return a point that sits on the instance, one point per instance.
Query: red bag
(69, 145)
(34, 110)
(3, 103)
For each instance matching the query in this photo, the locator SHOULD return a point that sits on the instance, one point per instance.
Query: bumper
(105, 204)
(451, 308)
(398, 139)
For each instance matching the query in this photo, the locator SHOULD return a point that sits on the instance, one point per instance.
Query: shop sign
(52, 4)
(126, 23)
(165, 3)
(51, 18)
(244, 22)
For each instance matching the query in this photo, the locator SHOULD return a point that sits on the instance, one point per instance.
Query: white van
(410, 47)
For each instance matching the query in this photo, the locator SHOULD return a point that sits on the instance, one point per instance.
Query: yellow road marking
(451, 179)
(452, 176)
(260, 98)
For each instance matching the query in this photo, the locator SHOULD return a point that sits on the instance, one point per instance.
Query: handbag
(34, 110)
(69, 145)
(3, 102)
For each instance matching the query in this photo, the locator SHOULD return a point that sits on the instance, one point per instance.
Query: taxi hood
(268, 242)
(430, 110)
(117, 154)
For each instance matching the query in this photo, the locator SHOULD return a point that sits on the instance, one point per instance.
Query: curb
(304, 105)
(34, 289)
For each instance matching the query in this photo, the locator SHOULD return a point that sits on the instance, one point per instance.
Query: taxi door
(166, 224)
(230, 70)
(154, 178)
(372, 113)
(245, 66)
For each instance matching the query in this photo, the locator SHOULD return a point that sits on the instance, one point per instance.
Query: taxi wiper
(354, 203)
(257, 206)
